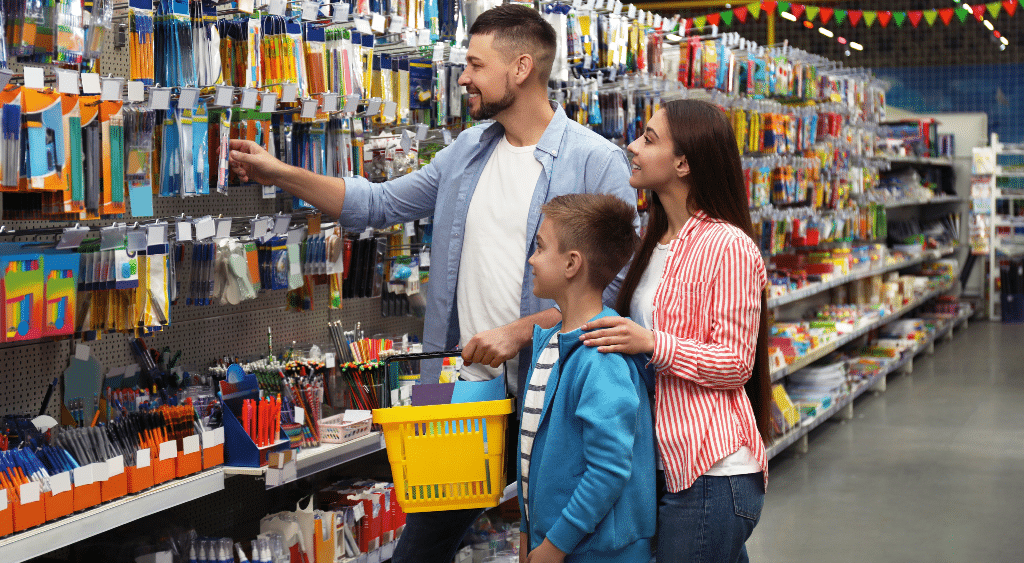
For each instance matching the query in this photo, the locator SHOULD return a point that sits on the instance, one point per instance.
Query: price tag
(99, 471)
(438, 55)
(421, 132)
(5, 79)
(72, 238)
(341, 12)
(82, 352)
(267, 105)
(308, 109)
(246, 6)
(35, 78)
(618, 7)
(351, 104)
(60, 483)
(142, 459)
(289, 93)
(406, 142)
(111, 90)
(115, 465)
(366, 234)
(90, 83)
(613, 74)
(67, 81)
(190, 444)
(184, 231)
(631, 13)
(30, 492)
(410, 229)
(373, 107)
(310, 9)
(136, 91)
(156, 234)
(259, 229)
(136, 240)
(447, 136)
(425, 258)
(300, 415)
(187, 98)
(389, 110)
(599, 4)
(269, 192)
(159, 98)
(205, 228)
(281, 223)
(83, 476)
(3, 500)
(218, 436)
(330, 102)
(397, 24)
(168, 450)
(223, 227)
(577, 4)
(329, 360)
(423, 38)
(208, 439)
(377, 23)
(363, 26)
(276, 7)
(225, 96)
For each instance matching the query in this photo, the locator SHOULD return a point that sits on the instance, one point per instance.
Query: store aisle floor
(929, 471)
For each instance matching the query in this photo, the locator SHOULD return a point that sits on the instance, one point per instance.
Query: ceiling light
(856, 45)
(673, 37)
(808, 24)
(967, 7)
(1005, 42)
(788, 16)
(825, 32)
(988, 24)
(1002, 47)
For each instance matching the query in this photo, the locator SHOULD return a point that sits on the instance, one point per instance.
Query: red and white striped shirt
(706, 314)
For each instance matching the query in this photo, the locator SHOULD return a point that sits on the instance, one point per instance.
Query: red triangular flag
(915, 16)
(715, 18)
(825, 14)
(741, 13)
(769, 5)
(884, 17)
(797, 9)
(855, 16)
(979, 11)
(1010, 6)
(946, 14)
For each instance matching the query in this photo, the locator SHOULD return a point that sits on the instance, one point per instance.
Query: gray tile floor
(932, 470)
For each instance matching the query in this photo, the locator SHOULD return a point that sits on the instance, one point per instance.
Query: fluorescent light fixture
(788, 16)
(857, 46)
(989, 25)
(1005, 42)
(825, 32)
(968, 7)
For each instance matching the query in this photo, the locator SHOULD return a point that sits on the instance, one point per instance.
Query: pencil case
(60, 501)
(213, 448)
(31, 513)
(116, 485)
(140, 476)
(164, 464)
(190, 458)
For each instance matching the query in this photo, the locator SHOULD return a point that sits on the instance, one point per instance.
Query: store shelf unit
(66, 531)
(931, 160)
(937, 200)
(987, 170)
(382, 553)
(845, 402)
(314, 460)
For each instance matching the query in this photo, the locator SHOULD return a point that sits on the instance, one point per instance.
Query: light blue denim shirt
(575, 160)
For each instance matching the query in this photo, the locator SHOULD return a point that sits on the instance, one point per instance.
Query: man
(485, 192)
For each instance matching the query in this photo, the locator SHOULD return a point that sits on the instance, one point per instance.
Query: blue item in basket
(475, 391)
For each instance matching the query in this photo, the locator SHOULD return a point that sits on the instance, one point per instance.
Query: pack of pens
(252, 423)
(38, 291)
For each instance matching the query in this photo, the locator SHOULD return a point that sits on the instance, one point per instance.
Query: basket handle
(435, 356)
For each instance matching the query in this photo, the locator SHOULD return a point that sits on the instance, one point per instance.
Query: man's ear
(523, 68)
(574, 264)
(682, 166)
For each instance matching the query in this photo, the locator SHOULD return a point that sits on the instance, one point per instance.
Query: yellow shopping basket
(446, 457)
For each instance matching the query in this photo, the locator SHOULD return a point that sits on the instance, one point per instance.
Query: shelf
(937, 161)
(77, 527)
(826, 349)
(805, 428)
(836, 281)
(382, 553)
(314, 460)
(938, 200)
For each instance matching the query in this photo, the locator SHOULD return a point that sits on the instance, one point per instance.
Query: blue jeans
(710, 521)
(434, 537)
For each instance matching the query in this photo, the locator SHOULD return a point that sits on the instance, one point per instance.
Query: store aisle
(929, 471)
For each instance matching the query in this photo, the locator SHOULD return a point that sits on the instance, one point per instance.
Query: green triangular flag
(961, 14)
(727, 17)
(900, 17)
(812, 12)
(840, 15)
(783, 7)
(755, 9)
(993, 8)
(930, 15)
(699, 22)
(869, 17)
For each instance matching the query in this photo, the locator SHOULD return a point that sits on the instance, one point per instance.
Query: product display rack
(311, 461)
(998, 249)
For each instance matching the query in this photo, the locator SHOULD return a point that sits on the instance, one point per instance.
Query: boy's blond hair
(599, 227)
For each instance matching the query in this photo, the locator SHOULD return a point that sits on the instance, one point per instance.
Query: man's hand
(524, 547)
(546, 552)
(496, 346)
(252, 163)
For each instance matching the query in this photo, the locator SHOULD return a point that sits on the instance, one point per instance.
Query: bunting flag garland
(755, 10)
(930, 15)
(797, 10)
(826, 14)
(884, 18)
(901, 17)
(869, 17)
(1010, 6)
(993, 8)
(947, 15)
(740, 13)
(979, 11)
(783, 6)
(812, 12)
(769, 5)
(961, 14)
(914, 16)
(855, 16)
(727, 17)
(714, 19)
(840, 16)
(698, 23)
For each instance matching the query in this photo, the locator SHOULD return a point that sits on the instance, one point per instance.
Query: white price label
(373, 107)
(82, 352)
(208, 439)
(29, 492)
(111, 90)
(142, 459)
(631, 13)
(184, 231)
(168, 450)
(421, 132)
(377, 23)
(67, 82)
(60, 483)
(268, 104)
(225, 96)
(190, 444)
(281, 224)
(136, 91)
(363, 26)
(115, 466)
(308, 109)
(35, 78)
(83, 476)
(406, 142)
(330, 104)
(341, 12)
(397, 24)
(351, 103)
(389, 110)
(410, 229)
(90, 83)
(188, 97)
(310, 9)
(250, 97)
(447, 136)
(218, 436)
(99, 471)
(276, 7)
(329, 360)
(156, 234)
(206, 228)
(425, 258)
(300, 415)
(159, 98)
(289, 93)
(223, 227)
(438, 55)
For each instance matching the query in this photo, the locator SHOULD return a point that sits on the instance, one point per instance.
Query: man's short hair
(519, 29)
(598, 226)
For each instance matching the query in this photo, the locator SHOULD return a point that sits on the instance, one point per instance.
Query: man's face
(487, 78)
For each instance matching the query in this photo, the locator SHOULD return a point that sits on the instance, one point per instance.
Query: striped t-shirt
(532, 405)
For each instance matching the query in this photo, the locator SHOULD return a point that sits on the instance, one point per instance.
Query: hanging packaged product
(112, 128)
(100, 21)
(23, 292)
(206, 44)
(45, 159)
(140, 126)
(70, 43)
(175, 63)
(141, 41)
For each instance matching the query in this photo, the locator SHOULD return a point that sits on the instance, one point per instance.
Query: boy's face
(549, 264)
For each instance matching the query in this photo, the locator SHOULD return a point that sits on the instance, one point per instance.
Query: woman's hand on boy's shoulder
(546, 552)
(618, 334)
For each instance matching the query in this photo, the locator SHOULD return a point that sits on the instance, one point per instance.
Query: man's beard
(488, 110)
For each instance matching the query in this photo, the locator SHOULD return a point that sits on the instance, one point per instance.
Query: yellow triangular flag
(699, 22)
(754, 9)
(993, 8)
(869, 17)
(812, 12)
(930, 15)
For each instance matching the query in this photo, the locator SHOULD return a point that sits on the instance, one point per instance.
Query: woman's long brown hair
(701, 133)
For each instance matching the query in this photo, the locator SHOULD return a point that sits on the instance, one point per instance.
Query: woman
(694, 296)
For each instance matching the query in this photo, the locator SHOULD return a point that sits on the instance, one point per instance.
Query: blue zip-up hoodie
(592, 472)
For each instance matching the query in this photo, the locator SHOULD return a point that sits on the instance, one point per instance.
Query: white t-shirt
(641, 308)
(493, 264)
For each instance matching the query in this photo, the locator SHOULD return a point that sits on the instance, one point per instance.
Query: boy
(586, 445)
